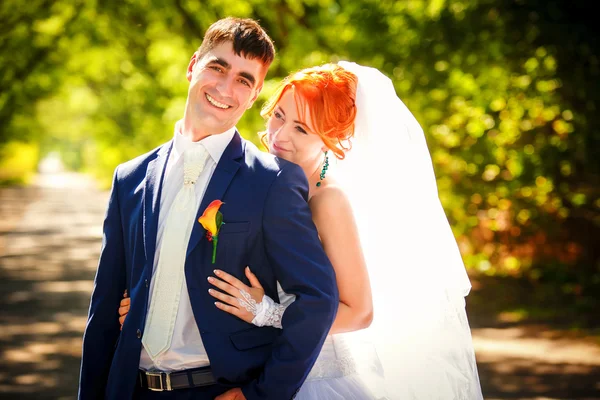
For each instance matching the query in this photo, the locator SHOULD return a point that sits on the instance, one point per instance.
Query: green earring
(324, 170)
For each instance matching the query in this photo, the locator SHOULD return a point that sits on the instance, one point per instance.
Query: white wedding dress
(338, 374)
(349, 368)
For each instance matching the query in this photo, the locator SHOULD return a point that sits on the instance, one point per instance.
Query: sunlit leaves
(508, 104)
(18, 161)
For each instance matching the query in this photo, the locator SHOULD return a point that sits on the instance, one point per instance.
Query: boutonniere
(211, 220)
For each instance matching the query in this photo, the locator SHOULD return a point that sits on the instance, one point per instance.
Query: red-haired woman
(421, 332)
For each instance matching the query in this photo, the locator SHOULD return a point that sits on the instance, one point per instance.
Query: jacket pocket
(254, 337)
(234, 227)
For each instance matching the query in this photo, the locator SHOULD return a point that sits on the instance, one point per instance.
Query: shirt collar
(214, 144)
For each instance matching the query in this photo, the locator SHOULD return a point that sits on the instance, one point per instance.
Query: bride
(398, 269)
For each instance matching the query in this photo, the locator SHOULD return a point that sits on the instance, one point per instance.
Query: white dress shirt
(186, 350)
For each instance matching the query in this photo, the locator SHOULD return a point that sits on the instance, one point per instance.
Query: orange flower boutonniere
(211, 220)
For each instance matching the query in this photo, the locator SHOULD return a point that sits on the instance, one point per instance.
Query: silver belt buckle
(159, 376)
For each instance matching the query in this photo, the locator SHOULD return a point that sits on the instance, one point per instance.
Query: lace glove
(266, 313)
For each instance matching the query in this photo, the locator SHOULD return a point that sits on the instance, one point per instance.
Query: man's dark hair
(248, 38)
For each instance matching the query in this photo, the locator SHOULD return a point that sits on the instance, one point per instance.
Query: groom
(175, 343)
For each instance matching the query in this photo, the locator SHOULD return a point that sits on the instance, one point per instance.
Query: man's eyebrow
(226, 65)
(249, 77)
(219, 61)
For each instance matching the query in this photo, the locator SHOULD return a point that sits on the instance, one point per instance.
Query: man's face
(222, 86)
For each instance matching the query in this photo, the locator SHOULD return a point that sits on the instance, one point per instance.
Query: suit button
(139, 334)
(146, 281)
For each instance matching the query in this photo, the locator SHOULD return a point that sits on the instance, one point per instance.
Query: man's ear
(190, 69)
(256, 93)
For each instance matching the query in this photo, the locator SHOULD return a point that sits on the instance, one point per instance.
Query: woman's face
(290, 137)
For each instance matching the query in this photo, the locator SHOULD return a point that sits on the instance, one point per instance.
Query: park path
(50, 236)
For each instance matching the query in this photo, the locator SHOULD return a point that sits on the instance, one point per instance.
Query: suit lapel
(219, 182)
(152, 191)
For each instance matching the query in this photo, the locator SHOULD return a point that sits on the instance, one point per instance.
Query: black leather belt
(189, 378)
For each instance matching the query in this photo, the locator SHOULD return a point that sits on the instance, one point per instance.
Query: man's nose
(225, 87)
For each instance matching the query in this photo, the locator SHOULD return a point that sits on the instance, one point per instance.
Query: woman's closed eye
(278, 115)
(301, 129)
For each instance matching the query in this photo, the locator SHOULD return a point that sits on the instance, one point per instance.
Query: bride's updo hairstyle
(328, 92)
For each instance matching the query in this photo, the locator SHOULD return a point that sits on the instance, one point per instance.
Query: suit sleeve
(301, 266)
(102, 329)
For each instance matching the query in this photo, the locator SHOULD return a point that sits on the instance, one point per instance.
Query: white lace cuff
(266, 313)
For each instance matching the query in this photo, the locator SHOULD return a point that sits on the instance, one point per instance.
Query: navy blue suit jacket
(268, 226)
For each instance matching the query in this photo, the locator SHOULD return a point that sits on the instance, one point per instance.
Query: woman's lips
(279, 148)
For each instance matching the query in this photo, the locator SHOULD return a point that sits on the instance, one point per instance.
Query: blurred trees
(507, 93)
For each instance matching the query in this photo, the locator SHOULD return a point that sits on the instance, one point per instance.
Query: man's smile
(216, 103)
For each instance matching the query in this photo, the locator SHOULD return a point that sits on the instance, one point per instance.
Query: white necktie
(164, 304)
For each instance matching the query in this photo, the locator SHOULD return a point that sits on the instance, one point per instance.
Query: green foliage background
(507, 92)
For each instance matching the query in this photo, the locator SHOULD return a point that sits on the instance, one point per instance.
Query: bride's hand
(124, 308)
(237, 297)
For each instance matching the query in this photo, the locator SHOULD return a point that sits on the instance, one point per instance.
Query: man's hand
(233, 394)
(124, 308)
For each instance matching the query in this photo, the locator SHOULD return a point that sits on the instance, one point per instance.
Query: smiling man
(223, 83)
(175, 343)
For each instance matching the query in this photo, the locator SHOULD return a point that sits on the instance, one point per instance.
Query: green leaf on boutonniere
(219, 220)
